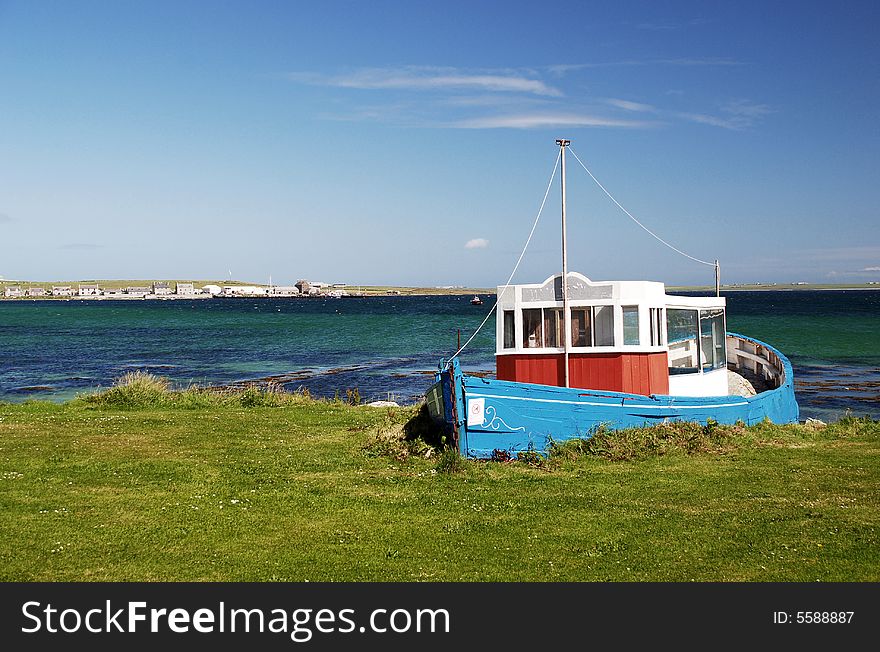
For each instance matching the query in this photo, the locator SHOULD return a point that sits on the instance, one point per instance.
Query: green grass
(140, 483)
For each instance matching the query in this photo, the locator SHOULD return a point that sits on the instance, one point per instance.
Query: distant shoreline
(777, 288)
(139, 289)
(350, 291)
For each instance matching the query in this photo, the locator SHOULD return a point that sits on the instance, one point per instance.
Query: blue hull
(484, 415)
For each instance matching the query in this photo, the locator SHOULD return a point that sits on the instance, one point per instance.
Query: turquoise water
(386, 347)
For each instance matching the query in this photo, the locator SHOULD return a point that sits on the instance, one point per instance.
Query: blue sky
(370, 142)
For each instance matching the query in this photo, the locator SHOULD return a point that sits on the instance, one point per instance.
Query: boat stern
(443, 399)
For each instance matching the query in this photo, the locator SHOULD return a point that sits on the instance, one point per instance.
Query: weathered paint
(633, 373)
(516, 417)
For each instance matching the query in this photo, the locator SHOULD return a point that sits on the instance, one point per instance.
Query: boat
(476, 301)
(576, 356)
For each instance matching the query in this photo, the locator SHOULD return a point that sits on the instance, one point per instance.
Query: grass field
(144, 484)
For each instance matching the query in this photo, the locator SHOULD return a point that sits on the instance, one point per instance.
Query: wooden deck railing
(751, 358)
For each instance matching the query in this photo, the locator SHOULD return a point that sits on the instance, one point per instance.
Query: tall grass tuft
(450, 462)
(139, 390)
(649, 441)
(404, 434)
(135, 389)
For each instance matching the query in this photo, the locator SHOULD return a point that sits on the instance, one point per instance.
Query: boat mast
(566, 318)
(717, 279)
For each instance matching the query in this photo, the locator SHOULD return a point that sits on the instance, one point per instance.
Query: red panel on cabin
(538, 369)
(634, 373)
(596, 371)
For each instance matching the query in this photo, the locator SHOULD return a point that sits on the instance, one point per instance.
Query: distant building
(62, 291)
(303, 286)
(139, 291)
(213, 290)
(36, 292)
(284, 291)
(12, 292)
(161, 288)
(186, 289)
(243, 291)
(89, 290)
(112, 292)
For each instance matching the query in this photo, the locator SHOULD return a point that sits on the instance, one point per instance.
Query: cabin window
(509, 335)
(712, 339)
(656, 316)
(532, 338)
(553, 328)
(681, 331)
(604, 325)
(592, 326)
(581, 332)
(630, 325)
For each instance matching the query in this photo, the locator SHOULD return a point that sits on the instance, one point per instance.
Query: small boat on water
(476, 301)
(576, 355)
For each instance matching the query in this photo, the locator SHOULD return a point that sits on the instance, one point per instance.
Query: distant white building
(89, 290)
(213, 290)
(112, 292)
(137, 291)
(12, 292)
(36, 292)
(62, 291)
(243, 291)
(185, 289)
(161, 288)
(284, 291)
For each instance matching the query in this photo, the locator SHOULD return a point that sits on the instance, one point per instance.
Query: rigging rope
(704, 262)
(515, 267)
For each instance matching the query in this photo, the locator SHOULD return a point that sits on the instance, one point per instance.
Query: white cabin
(626, 336)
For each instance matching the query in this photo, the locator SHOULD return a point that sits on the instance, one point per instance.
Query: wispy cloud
(522, 98)
(712, 120)
(735, 115)
(561, 69)
(696, 61)
(476, 243)
(426, 79)
(627, 105)
(746, 109)
(5, 219)
(852, 261)
(538, 120)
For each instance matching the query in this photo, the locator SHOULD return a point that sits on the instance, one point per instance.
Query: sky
(411, 142)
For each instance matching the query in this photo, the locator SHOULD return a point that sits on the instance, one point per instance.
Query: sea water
(385, 347)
